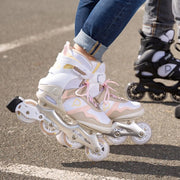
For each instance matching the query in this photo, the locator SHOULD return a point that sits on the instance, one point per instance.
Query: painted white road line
(34, 38)
(46, 173)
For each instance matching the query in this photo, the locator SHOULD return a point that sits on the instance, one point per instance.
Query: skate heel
(74, 136)
(13, 103)
(26, 110)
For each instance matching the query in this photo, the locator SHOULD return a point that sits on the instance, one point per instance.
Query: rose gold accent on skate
(85, 86)
(115, 107)
(67, 94)
(66, 53)
(44, 131)
(78, 70)
(117, 110)
(81, 93)
(66, 48)
(65, 141)
(83, 110)
(32, 103)
(69, 66)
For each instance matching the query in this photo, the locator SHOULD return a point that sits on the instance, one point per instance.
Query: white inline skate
(74, 102)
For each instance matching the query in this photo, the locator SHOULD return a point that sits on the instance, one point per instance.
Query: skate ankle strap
(93, 84)
(93, 76)
(149, 42)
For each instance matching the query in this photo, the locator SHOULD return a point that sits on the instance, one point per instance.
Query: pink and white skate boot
(62, 89)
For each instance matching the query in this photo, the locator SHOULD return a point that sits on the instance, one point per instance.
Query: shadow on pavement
(130, 167)
(167, 103)
(155, 151)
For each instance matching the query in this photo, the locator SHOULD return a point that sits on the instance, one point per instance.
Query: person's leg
(158, 17)
(70, 98)
(157, 30)
(104, 23)
(155, 59)
(84, 9)
(73, 81)
(176, 11)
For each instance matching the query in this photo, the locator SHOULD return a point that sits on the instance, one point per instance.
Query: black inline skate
(155, 61)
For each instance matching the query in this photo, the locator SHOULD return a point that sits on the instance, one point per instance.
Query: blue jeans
(160, 16)
(99, 22)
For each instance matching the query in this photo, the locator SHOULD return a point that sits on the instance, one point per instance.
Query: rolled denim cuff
(91, 46)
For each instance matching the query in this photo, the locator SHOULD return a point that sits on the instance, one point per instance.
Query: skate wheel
(64, 140)
(48, 128)
(177, 112)
(175, 98)
(146, 137)
(71, 144)
(132, 94)
(20, 116)
(157, 97)
(116, 141)
(98, 156)
(60, 138)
